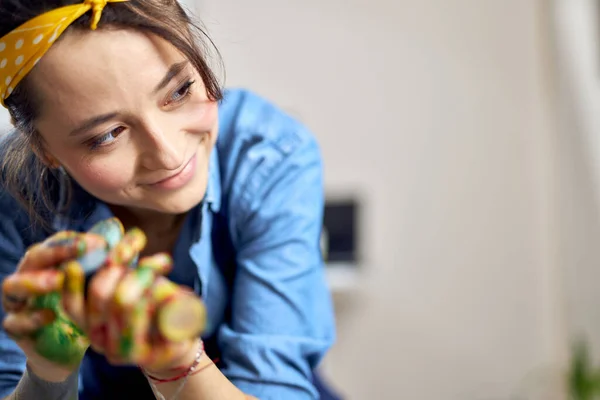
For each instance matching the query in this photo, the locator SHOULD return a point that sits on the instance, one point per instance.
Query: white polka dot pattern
(22, 48)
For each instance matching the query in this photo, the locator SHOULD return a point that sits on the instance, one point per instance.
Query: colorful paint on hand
(178, 315)
(61, 341)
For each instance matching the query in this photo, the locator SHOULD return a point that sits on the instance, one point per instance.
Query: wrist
(32, 386)
(52, 375)
(178, 367)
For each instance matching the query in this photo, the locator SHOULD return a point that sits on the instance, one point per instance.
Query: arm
(12, 365)
(282, 320)
(12, 359)
(16, 380)
(32, 387)
(209, 383)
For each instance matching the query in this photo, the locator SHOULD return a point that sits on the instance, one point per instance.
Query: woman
(118, 114)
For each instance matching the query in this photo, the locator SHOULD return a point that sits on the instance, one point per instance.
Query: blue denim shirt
(250, 249)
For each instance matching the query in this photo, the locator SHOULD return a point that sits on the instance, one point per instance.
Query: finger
(126, 251)
(182, 318)
(100, 293)
(160, 263)
(59, 248)
(115, 331)
(110, 229)
(94, 254)
(13, 303)
(133, 286)
(59, 238)
(73, 293)
(129, 320)
(23, 324)
(180, 314)
(43, 256)
(22, 285)
(134, 342)
(165, 351)
(163, 290)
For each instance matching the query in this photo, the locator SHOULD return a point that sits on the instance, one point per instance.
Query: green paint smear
(61, 342)
(50, 301)
(145, 276)
(126, 343)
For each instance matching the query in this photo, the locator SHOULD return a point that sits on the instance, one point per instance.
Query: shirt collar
(213, 191)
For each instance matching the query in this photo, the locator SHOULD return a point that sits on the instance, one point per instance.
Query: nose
(159, 148)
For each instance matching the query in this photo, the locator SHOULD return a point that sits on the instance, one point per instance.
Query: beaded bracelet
(151, 379)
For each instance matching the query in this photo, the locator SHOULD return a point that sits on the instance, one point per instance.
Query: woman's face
(128, 117)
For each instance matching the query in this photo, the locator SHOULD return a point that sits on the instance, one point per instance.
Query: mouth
(179, 178)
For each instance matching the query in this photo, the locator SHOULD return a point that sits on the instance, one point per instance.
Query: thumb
(22, 325)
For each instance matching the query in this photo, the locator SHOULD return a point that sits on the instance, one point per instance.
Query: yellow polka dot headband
(23, 47)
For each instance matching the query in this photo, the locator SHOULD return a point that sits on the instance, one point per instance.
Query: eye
(181, 93)
(107, 138)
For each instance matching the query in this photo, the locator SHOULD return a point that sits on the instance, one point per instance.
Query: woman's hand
(130, 313)
(30, 300)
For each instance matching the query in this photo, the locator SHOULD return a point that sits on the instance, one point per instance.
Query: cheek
(102, 176)
(203, 117)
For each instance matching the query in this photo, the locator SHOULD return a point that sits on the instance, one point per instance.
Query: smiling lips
(178, 180)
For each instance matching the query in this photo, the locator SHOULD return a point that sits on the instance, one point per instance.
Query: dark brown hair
(24, 175)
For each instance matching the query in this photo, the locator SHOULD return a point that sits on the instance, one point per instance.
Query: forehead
(95, 70)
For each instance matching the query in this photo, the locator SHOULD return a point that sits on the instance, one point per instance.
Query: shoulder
(258, 142)
(248, 120)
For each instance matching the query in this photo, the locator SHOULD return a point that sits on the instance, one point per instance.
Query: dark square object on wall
(341, 231)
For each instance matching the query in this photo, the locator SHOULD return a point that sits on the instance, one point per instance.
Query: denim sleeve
(12, 359)
(282, 320)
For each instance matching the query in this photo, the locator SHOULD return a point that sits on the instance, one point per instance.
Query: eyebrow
(92, 123)
(173, 71)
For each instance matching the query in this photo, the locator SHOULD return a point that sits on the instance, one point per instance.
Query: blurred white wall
(437, 114)
(578, 60)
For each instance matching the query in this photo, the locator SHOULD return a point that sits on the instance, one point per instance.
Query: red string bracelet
(159, 381)
(187, 370)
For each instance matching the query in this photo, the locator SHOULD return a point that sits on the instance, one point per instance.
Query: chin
(180, 206)
(179, 201)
